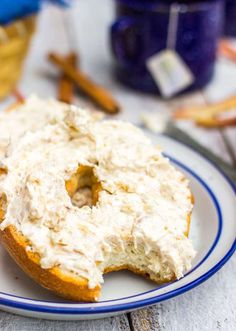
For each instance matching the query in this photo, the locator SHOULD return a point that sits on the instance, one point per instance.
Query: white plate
(213, 230)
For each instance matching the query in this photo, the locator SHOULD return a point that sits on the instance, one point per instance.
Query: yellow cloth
(14, 43)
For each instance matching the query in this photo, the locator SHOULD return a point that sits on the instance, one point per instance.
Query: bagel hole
(3, 171)
(83, 187)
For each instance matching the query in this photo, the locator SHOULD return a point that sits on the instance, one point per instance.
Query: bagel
(82, 197)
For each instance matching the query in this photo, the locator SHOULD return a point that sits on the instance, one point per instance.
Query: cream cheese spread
(30, 116)
(139, 219)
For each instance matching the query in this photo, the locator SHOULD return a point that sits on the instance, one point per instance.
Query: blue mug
(230, 18)
(141, 30)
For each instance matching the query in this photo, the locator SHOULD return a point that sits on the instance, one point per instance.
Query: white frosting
(140, 216)
(31, 116)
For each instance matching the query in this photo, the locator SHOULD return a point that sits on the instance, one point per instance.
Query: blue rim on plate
(144, 302)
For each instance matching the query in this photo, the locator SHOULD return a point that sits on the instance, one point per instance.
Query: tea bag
(167, 68)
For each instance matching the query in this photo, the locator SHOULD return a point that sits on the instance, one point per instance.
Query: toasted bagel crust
(62, 284)
(67, 286)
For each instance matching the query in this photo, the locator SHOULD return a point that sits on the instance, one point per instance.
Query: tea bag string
(173, 26)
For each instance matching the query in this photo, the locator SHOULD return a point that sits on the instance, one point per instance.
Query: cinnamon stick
(209, 116)
(216, 122)
(206, 111)
(65, 85)
(227, 50)
(97, 93)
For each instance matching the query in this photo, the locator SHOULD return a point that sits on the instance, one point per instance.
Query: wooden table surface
(211, 306)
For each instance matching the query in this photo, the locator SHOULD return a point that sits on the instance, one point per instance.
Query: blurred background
(150, 62)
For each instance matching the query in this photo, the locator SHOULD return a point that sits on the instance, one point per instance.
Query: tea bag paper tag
(167, 68)
(170, 72)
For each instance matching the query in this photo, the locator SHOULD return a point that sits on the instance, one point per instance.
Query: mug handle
(126, 51)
